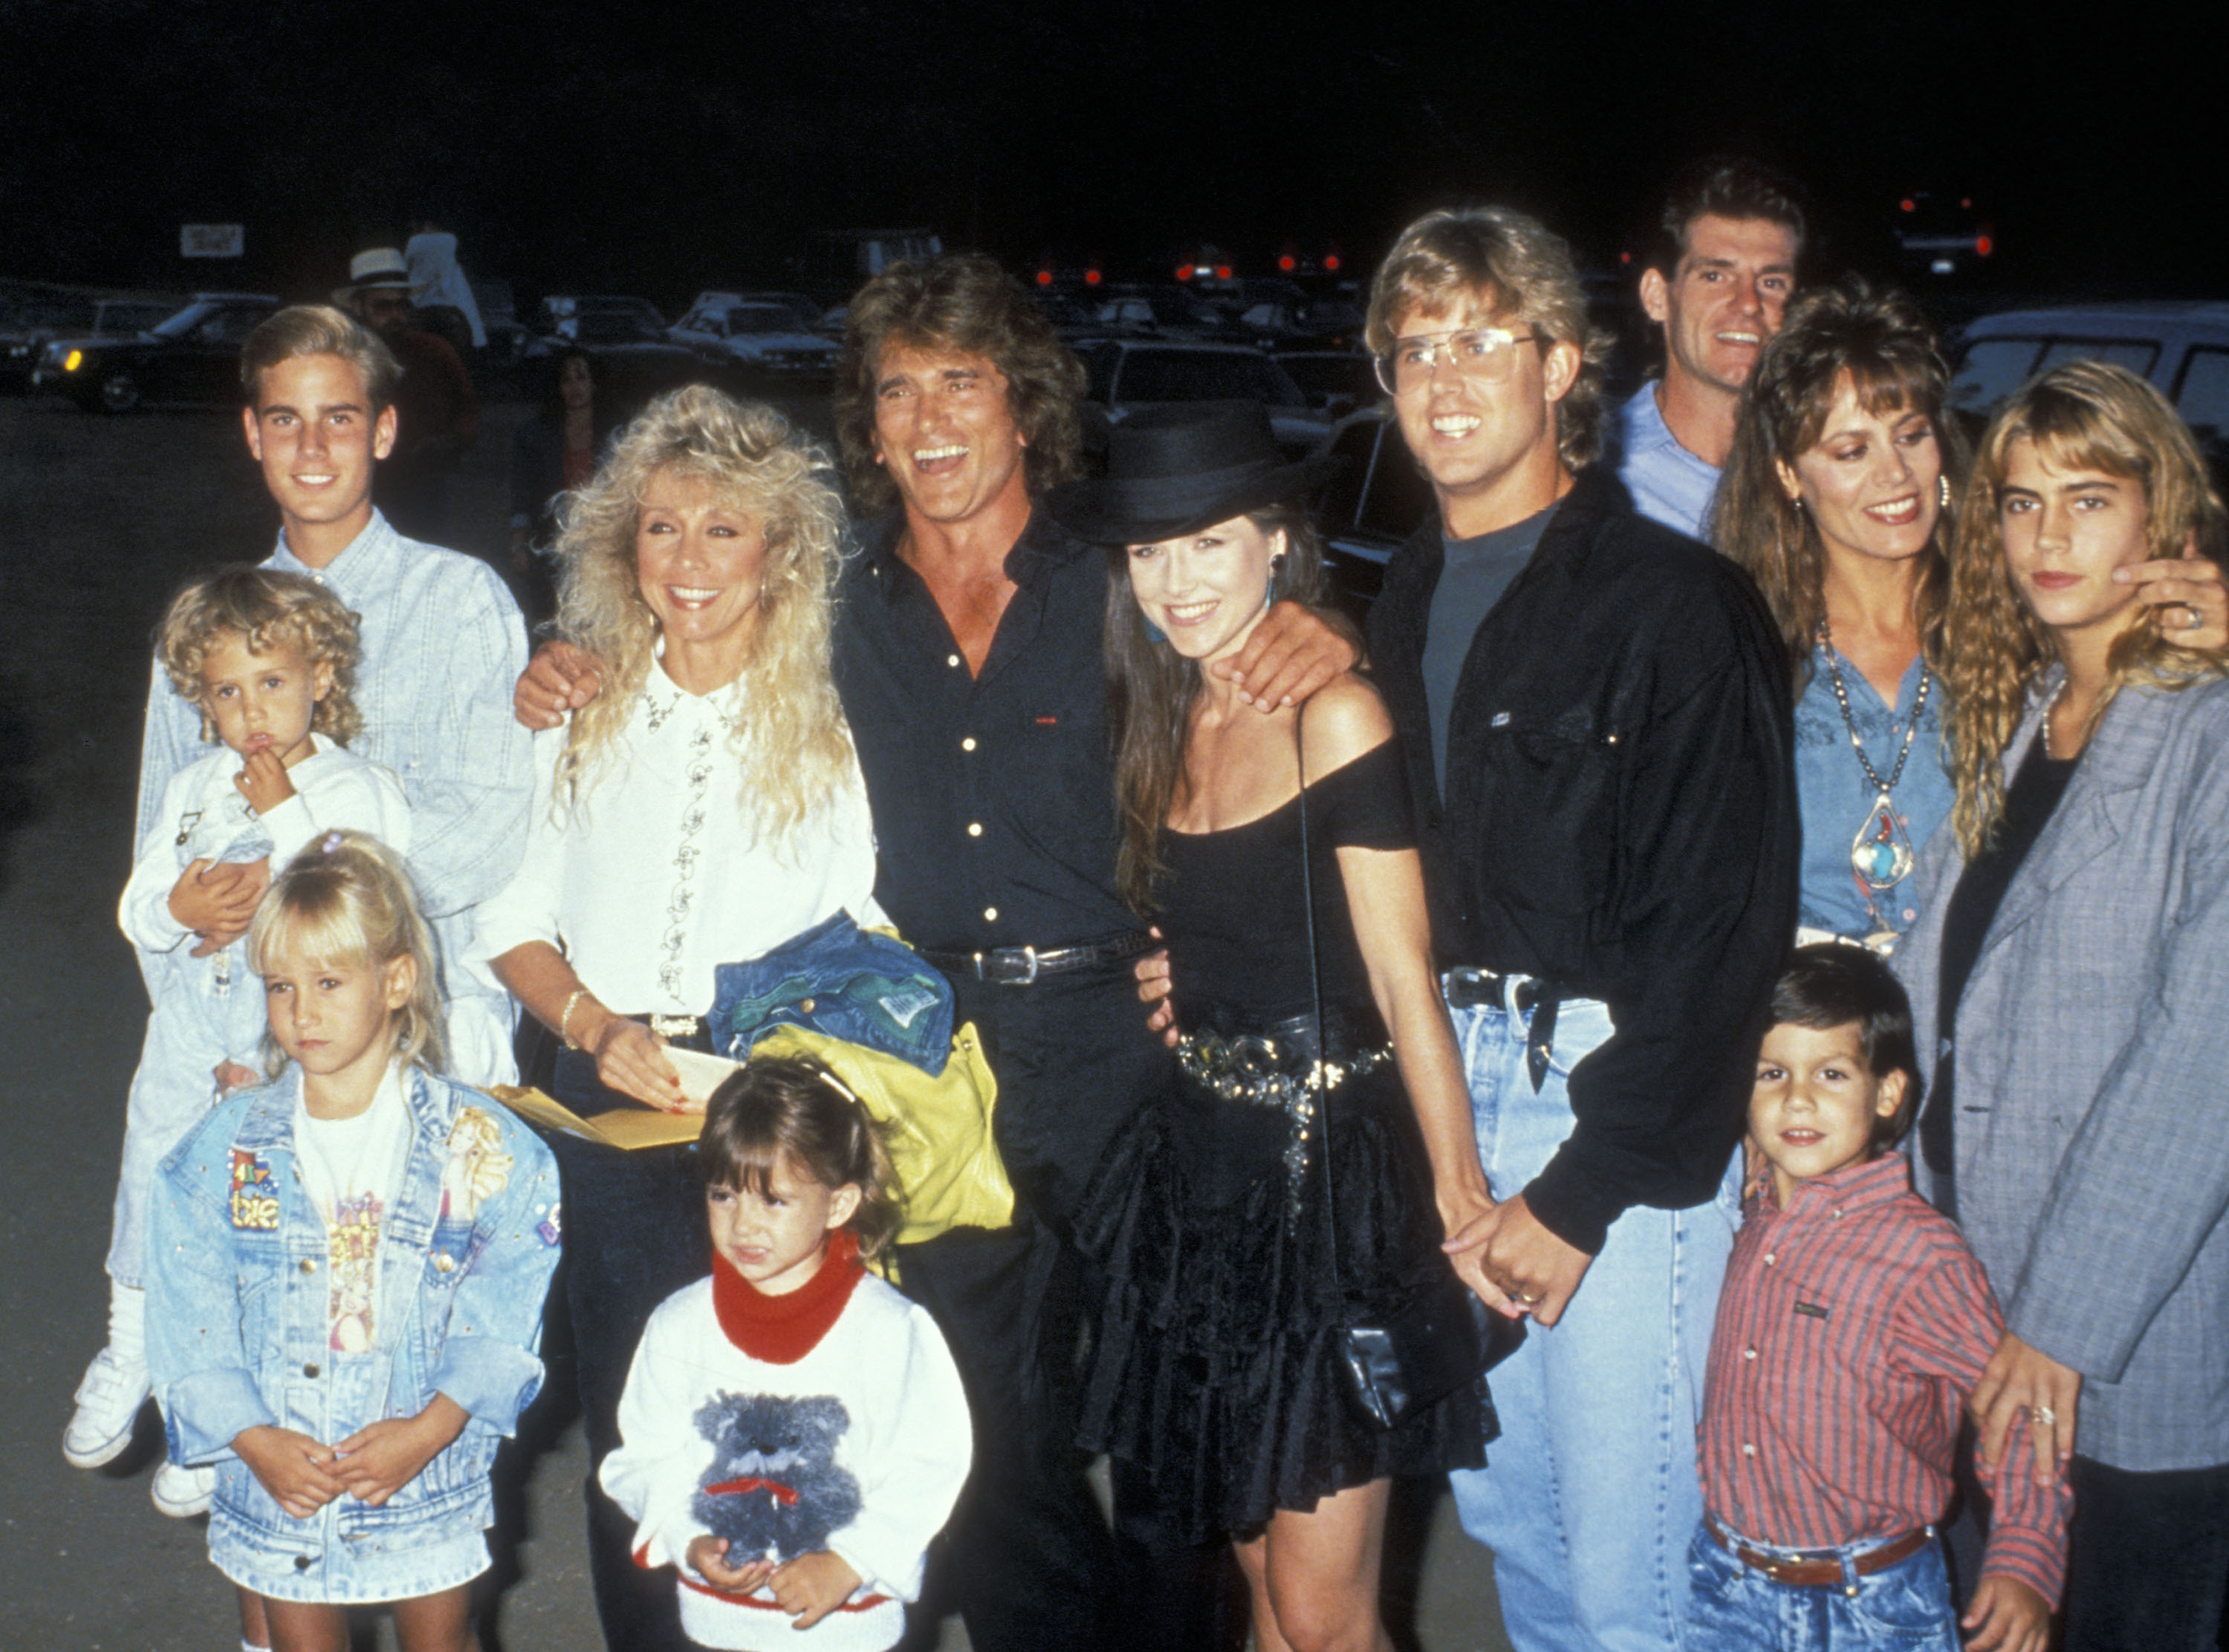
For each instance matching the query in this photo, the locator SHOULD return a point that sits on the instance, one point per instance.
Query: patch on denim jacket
(477, 1168)
(551, 1230)
(254, 1196)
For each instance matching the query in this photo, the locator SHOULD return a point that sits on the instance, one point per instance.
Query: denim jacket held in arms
(1618, 817)
(238, 1325)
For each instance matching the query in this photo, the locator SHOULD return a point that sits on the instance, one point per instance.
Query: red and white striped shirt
(1852, 1326)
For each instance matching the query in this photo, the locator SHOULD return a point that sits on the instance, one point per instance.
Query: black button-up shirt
(994, 795)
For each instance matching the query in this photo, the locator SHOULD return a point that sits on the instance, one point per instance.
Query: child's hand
(380, 1459)
(2007, 1615)
(814, 1585)
(217, 902)
(263, 781)
(708, 1559)
(231, 1076)
(297, 1471)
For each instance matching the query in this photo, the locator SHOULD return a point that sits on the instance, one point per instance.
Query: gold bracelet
(565, 1019)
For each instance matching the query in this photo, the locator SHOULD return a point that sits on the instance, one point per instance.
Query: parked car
(30, 321)
(1939, 236)
(1321, 322)
(1126, 374)
(192, 356)
(1374, 501)
(730, 328)
(1338, 382)
(1161, 312)
(2181, 347)
(626, 339)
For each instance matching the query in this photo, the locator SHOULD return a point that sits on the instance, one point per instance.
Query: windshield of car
(760, 318)
(184, 321)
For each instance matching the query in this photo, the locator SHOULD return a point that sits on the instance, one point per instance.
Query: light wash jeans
(1736, 1608)
(1590, 1495)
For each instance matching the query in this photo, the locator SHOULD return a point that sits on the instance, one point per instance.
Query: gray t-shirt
(1476, 572)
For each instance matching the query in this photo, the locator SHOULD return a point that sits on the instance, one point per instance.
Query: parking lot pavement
(100, 520)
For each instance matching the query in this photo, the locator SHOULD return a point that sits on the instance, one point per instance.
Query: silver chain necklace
(1881, 853)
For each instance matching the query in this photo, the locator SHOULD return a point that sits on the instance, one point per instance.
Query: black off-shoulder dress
(1231, 1258)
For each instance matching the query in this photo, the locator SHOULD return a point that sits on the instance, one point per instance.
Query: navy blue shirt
(994, 795)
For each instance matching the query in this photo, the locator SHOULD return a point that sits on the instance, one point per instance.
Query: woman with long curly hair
(705, 808)
(1839, 499)
(2070, 974)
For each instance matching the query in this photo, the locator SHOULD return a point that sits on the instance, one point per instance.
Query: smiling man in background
(1718, 281)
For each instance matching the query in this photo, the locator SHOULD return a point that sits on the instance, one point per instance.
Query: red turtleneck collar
(781, 1330)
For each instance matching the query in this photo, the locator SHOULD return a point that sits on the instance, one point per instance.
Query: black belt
(1469, 989)
(1017, 966)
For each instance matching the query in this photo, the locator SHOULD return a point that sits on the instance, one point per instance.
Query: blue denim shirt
(1833, 795)
(239, 1328)
(1668, 484)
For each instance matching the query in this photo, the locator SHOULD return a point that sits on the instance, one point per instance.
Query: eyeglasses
(1487, 354)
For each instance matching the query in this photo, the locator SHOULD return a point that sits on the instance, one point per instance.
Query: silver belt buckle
(1029, 957)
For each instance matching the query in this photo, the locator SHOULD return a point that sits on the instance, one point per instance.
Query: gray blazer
(2092, 1094)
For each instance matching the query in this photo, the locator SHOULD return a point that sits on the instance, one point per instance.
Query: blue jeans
(1591, 1492)
(1736, 1608)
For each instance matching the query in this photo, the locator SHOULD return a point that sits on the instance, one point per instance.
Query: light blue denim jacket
(238, 1327)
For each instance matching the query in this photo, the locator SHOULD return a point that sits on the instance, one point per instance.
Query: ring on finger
(2043, 1417)
(2196, 618)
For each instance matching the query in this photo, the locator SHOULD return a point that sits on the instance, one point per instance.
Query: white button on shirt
(654, 880)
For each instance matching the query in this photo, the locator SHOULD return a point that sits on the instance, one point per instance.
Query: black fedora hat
(1172, 469)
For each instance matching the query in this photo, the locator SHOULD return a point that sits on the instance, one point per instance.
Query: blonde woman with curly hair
(705, 808)
(2071, 960)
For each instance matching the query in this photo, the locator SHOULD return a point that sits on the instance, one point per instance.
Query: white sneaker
(183, 1493)
(108, 1402)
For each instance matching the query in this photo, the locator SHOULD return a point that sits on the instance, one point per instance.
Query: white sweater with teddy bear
(829, 1419)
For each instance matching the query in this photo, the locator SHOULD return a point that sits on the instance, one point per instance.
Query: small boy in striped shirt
(1853, 1325)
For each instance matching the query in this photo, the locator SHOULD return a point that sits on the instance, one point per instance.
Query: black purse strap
(1319, 1110)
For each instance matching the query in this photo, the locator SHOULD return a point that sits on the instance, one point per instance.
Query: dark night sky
(583, 146)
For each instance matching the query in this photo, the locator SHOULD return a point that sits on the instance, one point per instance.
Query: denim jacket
(238, 1327)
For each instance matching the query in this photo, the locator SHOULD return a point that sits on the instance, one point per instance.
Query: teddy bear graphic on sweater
(774, 1489)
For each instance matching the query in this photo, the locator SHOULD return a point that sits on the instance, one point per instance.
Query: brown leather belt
(1812, 1573)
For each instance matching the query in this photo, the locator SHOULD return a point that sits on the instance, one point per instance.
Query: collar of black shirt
(1043, 547)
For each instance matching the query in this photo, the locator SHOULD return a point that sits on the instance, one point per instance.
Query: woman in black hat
(1238, 1243)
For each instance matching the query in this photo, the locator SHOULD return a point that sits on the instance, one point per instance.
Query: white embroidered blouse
(653, 879)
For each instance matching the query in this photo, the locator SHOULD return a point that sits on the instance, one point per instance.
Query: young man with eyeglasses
(1596, 716)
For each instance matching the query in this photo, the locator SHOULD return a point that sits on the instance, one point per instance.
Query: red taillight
(1287, 262)
(1965, 204)
(1625, 258)
(1909, 204)
(1984, 246)
(1223, 272)
(1183, 272)
(1045, 278)
(1091, 277)
(1331, 261)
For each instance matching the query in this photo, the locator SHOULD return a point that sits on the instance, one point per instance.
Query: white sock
(127, 1325)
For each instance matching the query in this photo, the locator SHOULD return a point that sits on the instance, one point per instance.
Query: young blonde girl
(793, 1431)
(347, 1268)
(268, 660)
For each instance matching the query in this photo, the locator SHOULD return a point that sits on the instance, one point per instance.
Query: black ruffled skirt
(1228, 1280)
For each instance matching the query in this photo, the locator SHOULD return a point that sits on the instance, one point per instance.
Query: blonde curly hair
(262, 606)
(2081, 416)
(789, 729)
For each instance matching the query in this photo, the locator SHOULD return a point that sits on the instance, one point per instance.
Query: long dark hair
(1151, 691)
(1885, 346)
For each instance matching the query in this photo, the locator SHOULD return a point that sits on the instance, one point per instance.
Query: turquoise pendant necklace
(1881, 853)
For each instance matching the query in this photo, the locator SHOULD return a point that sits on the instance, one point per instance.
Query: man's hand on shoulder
(559, 678)
(1293, 652)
